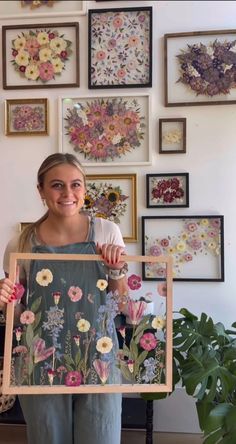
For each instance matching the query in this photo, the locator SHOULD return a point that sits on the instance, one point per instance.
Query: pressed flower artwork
(195, 243)
(167, 190)
(26, 117)
(120, 47)
(172, 136)
(36, 56)
(41, 8)
(67, 339)
(106, 130)
(200, 68)
(32, 4)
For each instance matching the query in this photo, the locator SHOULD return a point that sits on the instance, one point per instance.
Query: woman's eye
(77, 185)
(57, 185)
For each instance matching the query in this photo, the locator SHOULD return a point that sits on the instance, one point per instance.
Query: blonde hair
(50, 162)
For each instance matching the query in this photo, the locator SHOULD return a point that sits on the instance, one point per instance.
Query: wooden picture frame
(17, 9)
(167, 190)
(27, 343)
(114, 197)
(199, 68)
(98, 122)
(196, 244)
(26, 117)
(107, 66)
(172, 136)
(40, 56)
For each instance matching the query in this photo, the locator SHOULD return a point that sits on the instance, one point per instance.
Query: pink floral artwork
(167, 190)
(26, 117)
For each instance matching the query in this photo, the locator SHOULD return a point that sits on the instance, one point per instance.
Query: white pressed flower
(58, 65)
(104, 345)
(44, 277)
(58, 44)
(22, 58)
(32, 72)
(19, 43)
(158, 323)
(42, 38)
(45, 54)
(83, 325)
(102, 284)
(116, 139)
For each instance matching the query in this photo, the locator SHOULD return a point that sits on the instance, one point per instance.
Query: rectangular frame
(167, 190)
(59, 9)
(26, 117)
(196, 244)
(199, 68)
(122, 206)
(172, 136)
(89, 127)
(8, 388)
(133, 30)
(19, 68)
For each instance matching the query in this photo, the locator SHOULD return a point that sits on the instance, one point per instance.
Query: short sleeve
(107, 232)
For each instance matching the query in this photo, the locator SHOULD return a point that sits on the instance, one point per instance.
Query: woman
(60, 419)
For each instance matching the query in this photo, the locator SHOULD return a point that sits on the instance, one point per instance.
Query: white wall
(210, 161)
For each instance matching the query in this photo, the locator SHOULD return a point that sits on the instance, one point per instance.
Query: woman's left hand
(112, 255)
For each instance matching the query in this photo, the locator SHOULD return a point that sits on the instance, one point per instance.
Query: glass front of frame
(72, 336)
(196, 244)
(172, 136)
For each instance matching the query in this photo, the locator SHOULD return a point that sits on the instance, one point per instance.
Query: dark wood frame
(43, 26)
(185, 176)
(174, 151)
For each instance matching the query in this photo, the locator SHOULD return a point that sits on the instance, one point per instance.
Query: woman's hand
(112, 255)
(7, 292)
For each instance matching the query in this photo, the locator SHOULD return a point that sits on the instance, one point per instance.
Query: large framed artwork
(200, 68)
(114, 197)
(196, 244)
(33, 9)
(67, 340)
(40, 56)
(167, 190)
(106, 130)
(26, 117)
(120, 47)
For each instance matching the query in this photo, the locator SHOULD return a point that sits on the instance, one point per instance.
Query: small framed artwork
(120, 48)
(33, 9)
(200, 68)
(167, 190)
(114, 197)
(196, 244)
(26, 117)
(40, 56)
(106, 130)
(66, 339)
(172, 136)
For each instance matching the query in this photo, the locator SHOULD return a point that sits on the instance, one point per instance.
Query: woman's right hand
(7, 292)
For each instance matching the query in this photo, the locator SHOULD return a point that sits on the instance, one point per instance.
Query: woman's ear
(40, 190)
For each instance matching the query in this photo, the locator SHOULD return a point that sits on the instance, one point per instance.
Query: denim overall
(80, 418)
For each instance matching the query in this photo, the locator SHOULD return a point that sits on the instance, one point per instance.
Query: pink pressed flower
(155, 250)
(40, 351)
(130, 364)
(73, 379)
(195, 244)
(121, 73)
(46, 71)
(162, 289)
(18, 333)
(51, 374)
(133, 41)
(32, 46)
(164, 242)
(56, 296)
(212, 233)
(75, 294)
(148, 341)
(27, 317)
(102, 369)
(136, 310)
(22, 68)
(117, 22)
(77, 339)
(215, 223)
(188, 257)
(134, 282)
(51, 35)
(192, 226)
(63, 54)
(101, 55)
(161, 272)
(61, 369)
(19, 349)
(14, 52)
(122, 331)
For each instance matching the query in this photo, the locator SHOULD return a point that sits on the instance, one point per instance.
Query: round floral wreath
(209, 70)
(40, 55)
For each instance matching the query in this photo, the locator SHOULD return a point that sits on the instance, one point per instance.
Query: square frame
(9, 387)
(172, 136)
(195, 70)
(60, 9)
(98, 121)
(167, 190)
(121, 208)
(26, 117)
(19, 68)
(196, 244)
(106, 66)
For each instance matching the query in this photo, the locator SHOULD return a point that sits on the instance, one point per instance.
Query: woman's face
(63, 190)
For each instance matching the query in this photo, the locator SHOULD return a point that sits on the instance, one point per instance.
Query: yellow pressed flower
(181, 246)
(184, 236)
(32, 72)
(58, 65)
(204, 222)
(212, 245)
(102, 284)
(202, 235)
(22, 58)
(113, 196)
(42, 38)
(104, 345)
(19, 43)
(44, 277)
(58, 45)
(171, 250)
(158, 323)
(45, 54)
(83, 325)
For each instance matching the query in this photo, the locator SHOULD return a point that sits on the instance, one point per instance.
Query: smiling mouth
(67, 203)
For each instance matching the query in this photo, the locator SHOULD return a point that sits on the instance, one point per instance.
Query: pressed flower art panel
(26, 117)
(167, 190)
(74, 335)
(172, 136)
(44, 8)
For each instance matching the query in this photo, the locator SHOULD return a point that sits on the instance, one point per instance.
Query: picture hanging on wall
(120, 48)
(26, 117)
(114, 197)
(66, 340)
(106, 130)
(172, 136)
(33, 9)
(40, 56)
(196, 244)
(167, 190)
(200, 68)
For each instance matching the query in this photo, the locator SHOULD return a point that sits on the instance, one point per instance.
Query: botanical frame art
(26, 117)
(106, 130)
(114, 197)
(40, 56)
(167, 190)
(126, 60)
(196, 244)
(200, 68)
(144, 359)
(172, 135)
(26, 9)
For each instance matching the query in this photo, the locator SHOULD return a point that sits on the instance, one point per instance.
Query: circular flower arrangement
(105, 128)
(209, 69)
(40, 55)
(167, 191)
